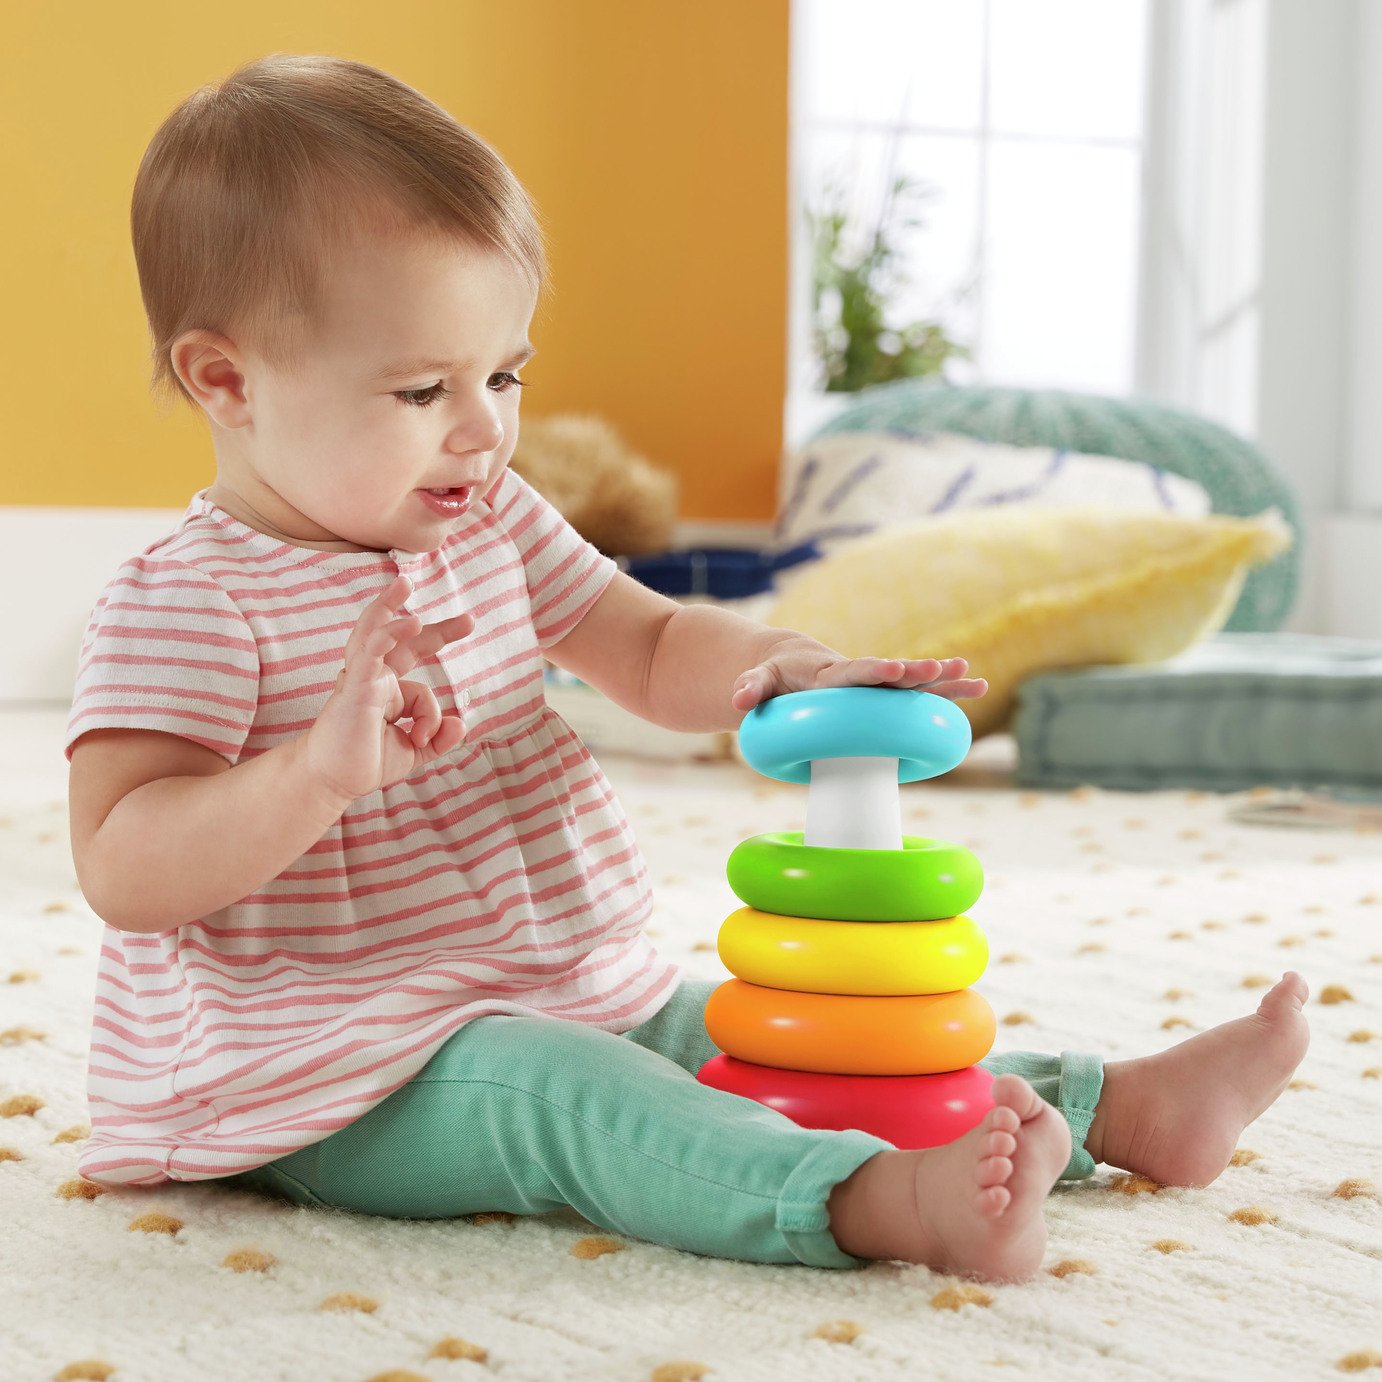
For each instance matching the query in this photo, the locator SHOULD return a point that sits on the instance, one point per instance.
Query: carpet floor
(1117, 923)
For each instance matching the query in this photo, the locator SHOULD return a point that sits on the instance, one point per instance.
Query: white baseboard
(54, 563)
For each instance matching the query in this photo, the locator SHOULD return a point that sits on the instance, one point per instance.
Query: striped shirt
(500, 878)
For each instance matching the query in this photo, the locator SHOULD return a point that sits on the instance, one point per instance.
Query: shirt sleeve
(565, 573)
(166, 649)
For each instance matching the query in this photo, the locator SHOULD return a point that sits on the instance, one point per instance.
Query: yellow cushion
(1019, 590)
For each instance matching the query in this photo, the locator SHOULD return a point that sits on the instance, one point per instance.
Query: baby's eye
(424, 398)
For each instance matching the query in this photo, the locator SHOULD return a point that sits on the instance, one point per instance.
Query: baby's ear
(212, 370)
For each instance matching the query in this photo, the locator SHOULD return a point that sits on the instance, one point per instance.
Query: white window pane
(914, 62)
(1067, 67)
(1060, 266)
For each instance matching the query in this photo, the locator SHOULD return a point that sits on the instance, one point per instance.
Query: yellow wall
(652, 135)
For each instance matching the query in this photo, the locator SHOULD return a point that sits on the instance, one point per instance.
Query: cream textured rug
(1117, 923)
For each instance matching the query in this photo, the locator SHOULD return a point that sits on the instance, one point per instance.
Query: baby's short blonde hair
(249, 185)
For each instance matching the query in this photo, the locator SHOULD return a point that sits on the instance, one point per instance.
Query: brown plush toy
(612, 497)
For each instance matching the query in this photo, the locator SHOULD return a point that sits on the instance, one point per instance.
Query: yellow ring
(852, 957)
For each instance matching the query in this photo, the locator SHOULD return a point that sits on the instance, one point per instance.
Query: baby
(374, 918)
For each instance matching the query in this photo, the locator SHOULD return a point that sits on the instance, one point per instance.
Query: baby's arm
(700, 668)
(166, 831)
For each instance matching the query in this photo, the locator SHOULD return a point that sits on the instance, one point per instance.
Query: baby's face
(409, 387)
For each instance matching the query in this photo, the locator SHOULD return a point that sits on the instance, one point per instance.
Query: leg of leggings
(1071, 1081)
(532, 1114)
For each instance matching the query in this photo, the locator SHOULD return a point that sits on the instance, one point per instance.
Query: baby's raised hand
(355, 745)
(805, 665)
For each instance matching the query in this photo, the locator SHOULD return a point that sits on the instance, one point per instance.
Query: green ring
(925, 880)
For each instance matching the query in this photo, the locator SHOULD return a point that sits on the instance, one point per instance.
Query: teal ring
(927, 734)
(925, 880)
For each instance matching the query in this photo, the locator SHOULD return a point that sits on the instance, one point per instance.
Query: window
(1025, 122)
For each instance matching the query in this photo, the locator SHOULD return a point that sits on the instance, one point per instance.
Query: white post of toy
(853, 803)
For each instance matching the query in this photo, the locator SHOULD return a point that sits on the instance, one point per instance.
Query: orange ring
(916, 1034)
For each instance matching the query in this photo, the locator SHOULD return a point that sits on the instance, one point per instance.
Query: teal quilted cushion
(1238, 711)
(1239, 478)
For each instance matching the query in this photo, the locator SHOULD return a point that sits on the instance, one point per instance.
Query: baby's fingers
(419, 705)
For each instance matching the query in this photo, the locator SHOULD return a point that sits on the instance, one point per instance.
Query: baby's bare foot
(1176, 1116)
(973, 1206)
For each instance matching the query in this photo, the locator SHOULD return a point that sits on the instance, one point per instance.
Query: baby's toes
(1012, 1092)
(1001, 1118)
(993, 1170)
(993, 1200)
(997, 1143)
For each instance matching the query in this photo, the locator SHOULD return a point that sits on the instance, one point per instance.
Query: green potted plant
(852, 289)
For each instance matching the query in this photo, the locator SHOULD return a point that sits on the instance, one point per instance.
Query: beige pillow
(1018, 590)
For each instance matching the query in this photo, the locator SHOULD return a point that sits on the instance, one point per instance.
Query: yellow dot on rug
(249, 1260)
(1170, 1245)
(1253, 1215)
(1362, 1035)
(1018, 1019)
(1244, 1157)
(12, 1036)
(11, 1154)
(1373, 1072)
(1360, 1361)
(88, 1370)
(678, 1372)
(492, 1216)
(1180, 936)
(25, 976)
(1335, 993)
(590, 1248)
(838, 1331)
(1129, 1183)
(1176, 1022)
(452, 1347)
(78, 1132)
(1092, 948)
(1012, 958)
(19, 1105)
(954, 1297)
(155, 1222)
(1256, 981)
(399, 1375)
(350, 1300)
(79, 1189)
(1354, 1189)
(1073, 1266)
(1302, 1084)
(1175, 995)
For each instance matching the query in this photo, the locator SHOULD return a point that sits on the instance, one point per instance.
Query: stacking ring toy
(927, 734)
(925, 880)
(914, 1035)
(852, 957)
(910, 1111)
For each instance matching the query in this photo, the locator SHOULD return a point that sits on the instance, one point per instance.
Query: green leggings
(529, 1114)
